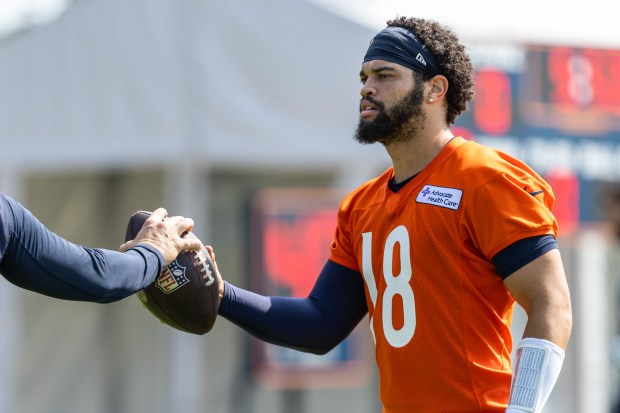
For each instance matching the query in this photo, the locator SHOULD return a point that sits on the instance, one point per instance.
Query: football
(186, 293)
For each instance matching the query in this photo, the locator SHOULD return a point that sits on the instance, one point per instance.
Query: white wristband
(537, 369)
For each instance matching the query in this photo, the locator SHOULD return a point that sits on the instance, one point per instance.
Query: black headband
(399, 45)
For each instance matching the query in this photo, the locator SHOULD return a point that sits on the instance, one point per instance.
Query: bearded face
(400, 122)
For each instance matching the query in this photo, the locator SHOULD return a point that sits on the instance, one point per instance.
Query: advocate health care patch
(440, 196)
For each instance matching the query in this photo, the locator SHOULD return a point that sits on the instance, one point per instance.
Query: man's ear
(438, 87)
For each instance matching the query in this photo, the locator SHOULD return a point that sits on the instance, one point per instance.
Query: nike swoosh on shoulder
(534, 193)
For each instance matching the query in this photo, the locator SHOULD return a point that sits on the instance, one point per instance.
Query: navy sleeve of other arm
(34, 258)
(522, 252)
(314, 324)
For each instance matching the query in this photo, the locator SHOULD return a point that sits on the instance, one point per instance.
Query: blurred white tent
(131, 82)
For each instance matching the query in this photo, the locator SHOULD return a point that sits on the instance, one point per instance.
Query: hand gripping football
(186, 293)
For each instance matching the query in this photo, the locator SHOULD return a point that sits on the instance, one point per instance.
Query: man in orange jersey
(436, 250)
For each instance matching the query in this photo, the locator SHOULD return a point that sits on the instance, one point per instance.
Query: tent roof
(129, 82)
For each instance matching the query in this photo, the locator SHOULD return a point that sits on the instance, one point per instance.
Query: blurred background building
(240, 114)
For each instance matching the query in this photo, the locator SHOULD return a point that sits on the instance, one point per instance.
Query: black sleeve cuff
(522, 252)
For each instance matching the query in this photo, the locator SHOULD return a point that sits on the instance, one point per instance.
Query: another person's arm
(34, 258)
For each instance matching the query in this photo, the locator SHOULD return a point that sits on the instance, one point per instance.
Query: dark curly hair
(452, 58)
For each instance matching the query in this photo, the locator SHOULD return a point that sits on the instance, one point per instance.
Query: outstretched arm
(314, 324)
(34, 258)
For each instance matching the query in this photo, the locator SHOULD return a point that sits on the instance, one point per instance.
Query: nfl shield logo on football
(172, 278)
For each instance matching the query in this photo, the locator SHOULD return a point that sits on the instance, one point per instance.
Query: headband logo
(420, 59)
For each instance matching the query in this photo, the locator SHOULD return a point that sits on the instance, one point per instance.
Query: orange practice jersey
(439, 312)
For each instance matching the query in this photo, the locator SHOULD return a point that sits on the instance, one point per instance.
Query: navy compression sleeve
(522, 252)
(314, 324)
(34, 258)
